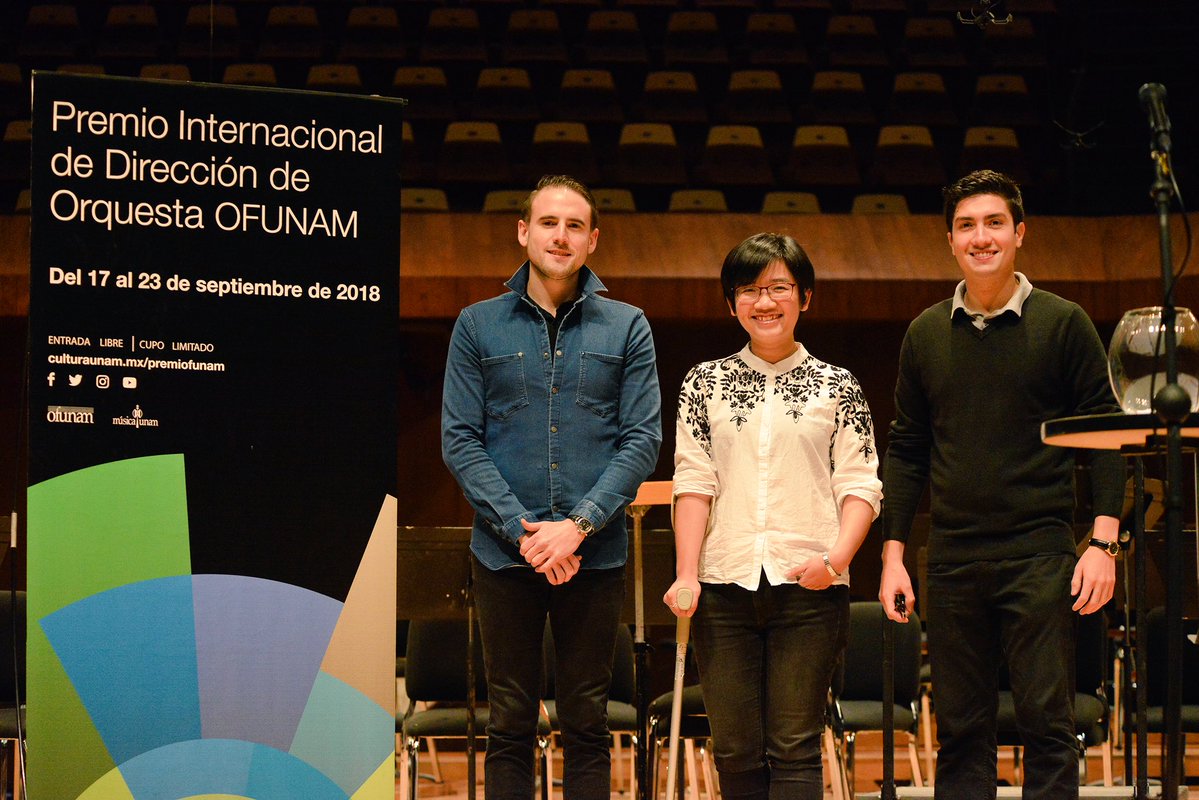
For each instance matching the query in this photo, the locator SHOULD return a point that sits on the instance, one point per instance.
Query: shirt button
(554, 465)
(553, 429)
(557, 352)
(554, 390)
(545, 355)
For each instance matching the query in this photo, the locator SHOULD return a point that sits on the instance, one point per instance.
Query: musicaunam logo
(82, 415)
(136, 419)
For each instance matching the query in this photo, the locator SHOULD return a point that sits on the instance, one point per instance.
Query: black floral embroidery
(693, 403)
(800, 385)
(743, 387)
(852, 412)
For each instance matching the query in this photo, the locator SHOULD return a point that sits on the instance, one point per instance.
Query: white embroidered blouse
(777, 447)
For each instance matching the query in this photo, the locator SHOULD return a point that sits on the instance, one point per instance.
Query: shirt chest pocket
(504, 382)
(599, 383)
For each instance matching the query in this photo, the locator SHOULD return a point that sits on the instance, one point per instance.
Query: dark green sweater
(969, 407)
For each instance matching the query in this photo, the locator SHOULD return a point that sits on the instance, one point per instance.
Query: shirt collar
(589, 282)
(1015, 303)
(786, 365)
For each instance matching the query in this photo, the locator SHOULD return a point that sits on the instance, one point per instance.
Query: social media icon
(128, 382)
(103, 381)
(74, 380)
(50, 378)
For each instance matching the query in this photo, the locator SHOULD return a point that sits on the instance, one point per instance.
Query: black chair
(622, 711)
(12, 687)
(435, 677)
(1156, 639)
(1092, 713)
(858, 685)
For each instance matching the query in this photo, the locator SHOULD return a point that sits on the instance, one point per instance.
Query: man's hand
(549, 543)
(895, 581)
(563, 571)
(1094, 580)
(672, 593)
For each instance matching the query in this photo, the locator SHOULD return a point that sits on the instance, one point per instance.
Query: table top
(1114, 431)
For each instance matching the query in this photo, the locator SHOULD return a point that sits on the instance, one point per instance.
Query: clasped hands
(549, 547)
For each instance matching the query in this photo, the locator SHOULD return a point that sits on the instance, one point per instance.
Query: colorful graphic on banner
(212, 550)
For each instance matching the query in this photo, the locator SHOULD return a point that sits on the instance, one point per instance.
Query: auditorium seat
(372, 37)
(423, 199)
(614, 200)
(533, 40)
(589, 95)
(504, 201)
(821, 157)
(756, 97)
(772, 40)
(473, 156)
(694, 42)
(920, 98)
(343, 78)
(562, 148)
(994, 148)
(734, 159)
(51, 32)
(292, 33)
(648, 156)
(210, 32)
(790, 203)
(453, 40)
(698, 201)
(83, 68)
(165, 72)
(613, 40)
(838, 97)
(130, 34)
(673, 97)
(880, 204)
(505, 94)
(930, 43)
(852, 41)
(906, 160)
(427, 91)
(14, 91)
(1002, 100)
(1014, 47)
(14, 152)
(250, 75)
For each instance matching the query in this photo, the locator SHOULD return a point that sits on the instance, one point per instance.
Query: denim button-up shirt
(535, 433)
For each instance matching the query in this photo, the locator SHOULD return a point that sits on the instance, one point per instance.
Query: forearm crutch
(682, 632)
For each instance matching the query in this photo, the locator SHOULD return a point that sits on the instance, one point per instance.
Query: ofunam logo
(136, 419)
(79, 415)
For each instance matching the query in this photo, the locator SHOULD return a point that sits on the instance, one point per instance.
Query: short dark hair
(983, 181)
(560, 182)
(745, 262)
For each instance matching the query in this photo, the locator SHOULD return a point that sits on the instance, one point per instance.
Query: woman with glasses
(775, 487)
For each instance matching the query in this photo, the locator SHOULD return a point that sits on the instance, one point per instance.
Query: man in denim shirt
(550, 422)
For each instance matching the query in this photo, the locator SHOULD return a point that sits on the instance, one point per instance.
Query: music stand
(651, 493)
(1135, 435)
(438, 561)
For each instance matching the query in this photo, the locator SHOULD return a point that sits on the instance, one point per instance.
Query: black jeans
(766, 660)
(979, 615)
(583, 612)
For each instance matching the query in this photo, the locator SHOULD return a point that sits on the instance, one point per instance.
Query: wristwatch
(583, 524)
(1112, 548)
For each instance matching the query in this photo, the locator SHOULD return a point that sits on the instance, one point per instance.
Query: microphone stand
(1172, 404)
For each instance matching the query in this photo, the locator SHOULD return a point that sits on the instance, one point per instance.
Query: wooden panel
(868, 267)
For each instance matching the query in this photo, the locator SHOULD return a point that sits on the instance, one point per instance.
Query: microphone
(1153, 100)
(992, 11)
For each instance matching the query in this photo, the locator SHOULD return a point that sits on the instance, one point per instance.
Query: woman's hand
(811, 574)
(672, 593)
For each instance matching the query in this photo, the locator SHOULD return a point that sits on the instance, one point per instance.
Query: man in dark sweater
(978, 374)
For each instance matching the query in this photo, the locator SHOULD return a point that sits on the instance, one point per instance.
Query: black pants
(583, 612)
(979, 615)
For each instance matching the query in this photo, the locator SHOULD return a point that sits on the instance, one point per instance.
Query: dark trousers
(766, 661)
(980, 615)
(513, 605)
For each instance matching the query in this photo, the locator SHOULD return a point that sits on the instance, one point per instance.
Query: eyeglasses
(775, 291)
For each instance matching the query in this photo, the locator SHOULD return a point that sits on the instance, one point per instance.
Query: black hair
(561, 182)
(745, 263)
(983, 181)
